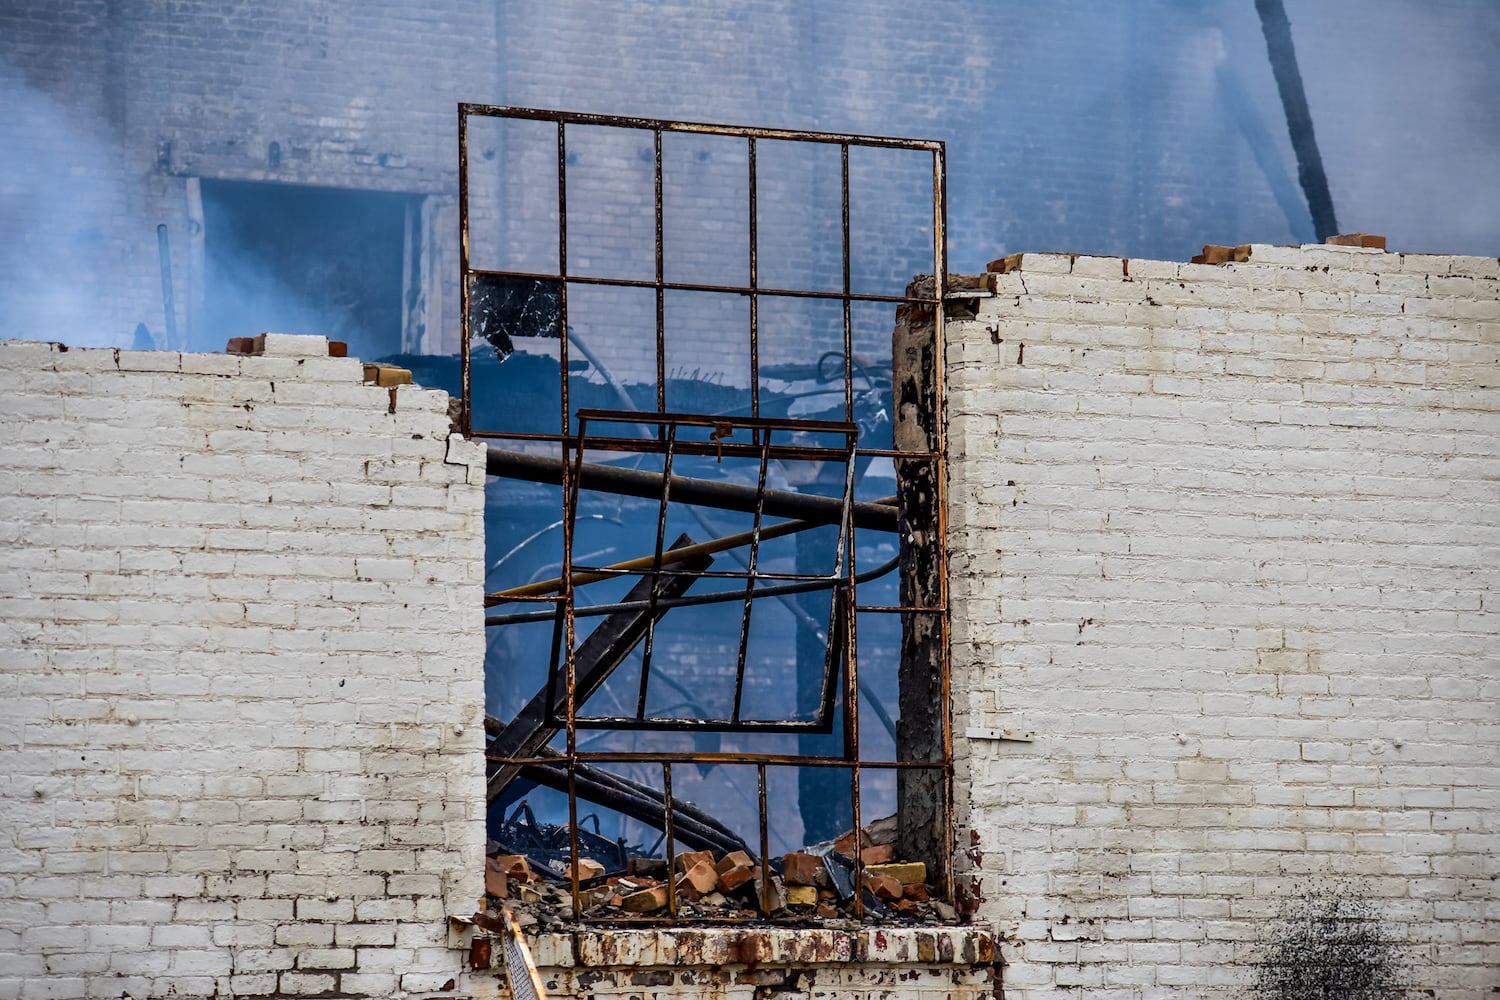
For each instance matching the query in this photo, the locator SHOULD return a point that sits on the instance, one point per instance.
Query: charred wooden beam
(921, 794)
(691, 825)
(598, 656)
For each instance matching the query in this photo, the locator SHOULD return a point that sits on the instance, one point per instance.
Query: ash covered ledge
(958, 961)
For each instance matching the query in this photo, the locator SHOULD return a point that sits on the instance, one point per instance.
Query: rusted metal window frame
(918, 297)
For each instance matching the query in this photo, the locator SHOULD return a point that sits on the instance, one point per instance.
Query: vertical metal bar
(667, 832)
(754, 284)
(465, 392)
(848, 319)
(661, 535)
(765, 843)
(573, 834)
(570, 508)
(754, 561)
(661, 294)
(562, 270)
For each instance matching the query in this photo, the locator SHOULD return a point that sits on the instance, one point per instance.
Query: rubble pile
(816, 885)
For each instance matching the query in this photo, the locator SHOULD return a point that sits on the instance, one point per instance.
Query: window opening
(702, 608)
(306, 259)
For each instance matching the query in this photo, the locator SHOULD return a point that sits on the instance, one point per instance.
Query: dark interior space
(295, 259)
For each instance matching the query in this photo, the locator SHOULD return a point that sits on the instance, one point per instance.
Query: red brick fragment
(688, 859)
(883, 886)
(735, 877)
(698, 881)
(1357, 240)
(799, 868)
(734, 859)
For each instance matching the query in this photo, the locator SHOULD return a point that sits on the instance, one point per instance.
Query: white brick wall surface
(240, 677)
(1226, 540)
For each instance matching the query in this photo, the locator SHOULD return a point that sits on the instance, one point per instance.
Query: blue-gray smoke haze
(1142, 129)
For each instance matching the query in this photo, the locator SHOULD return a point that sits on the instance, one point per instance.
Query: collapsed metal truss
(500, 305)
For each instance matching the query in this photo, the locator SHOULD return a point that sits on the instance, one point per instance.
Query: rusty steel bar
(754, 281)
(765, 843)
(670, 832)
(661, 284)
(701, 128)
(704, 492)
(686, 286)
(656, 557)
(725, 757)
(750, 578)
(718, 597)
(847, 302)
(466, 391)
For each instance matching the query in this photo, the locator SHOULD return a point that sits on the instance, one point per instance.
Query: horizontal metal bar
(653, 723)
(717, 597)
(702, 492)
(603, 756)
(681, 286)
(719, 450)
(711, 420)
(467, 109)
(585, 576)
(571, 441)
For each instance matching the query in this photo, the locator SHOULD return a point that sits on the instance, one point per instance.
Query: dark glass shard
(502, 308)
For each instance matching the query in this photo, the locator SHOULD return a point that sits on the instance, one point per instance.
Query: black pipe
(704, 492)
(1278, 32)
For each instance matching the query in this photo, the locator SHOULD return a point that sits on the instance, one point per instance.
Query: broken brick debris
(731, 879)
(817, 885)
(1006, 264)
(699, 880)
(905, 872)
(690, 859)
(734, 859)
(802, 869)
(386, 375)
(1369, 240)
(1215, 254)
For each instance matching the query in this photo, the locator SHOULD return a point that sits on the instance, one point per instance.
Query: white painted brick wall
(241, 650)
(1227, 540)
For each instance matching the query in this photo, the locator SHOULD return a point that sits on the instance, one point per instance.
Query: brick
(733, 878)
(646, 900)
(734, 859)
(799, 868)
(1357, 240)
(907, 873)
(698, 881)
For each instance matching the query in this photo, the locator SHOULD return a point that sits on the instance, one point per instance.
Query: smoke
(63, 215)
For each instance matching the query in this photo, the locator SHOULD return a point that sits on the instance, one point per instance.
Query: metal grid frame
(666, 443)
